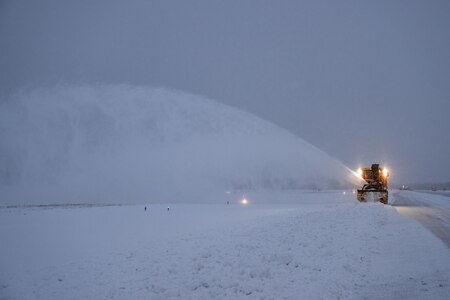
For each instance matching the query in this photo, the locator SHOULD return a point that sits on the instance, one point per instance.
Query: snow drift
(106, 144)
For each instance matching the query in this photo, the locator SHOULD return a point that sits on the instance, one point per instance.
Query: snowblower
(376, 187)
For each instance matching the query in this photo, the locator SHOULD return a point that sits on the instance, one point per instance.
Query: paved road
(432, 211)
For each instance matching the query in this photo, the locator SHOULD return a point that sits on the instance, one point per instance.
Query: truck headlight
(360, 172)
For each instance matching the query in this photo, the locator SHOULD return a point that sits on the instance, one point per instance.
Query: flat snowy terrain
(324, 245)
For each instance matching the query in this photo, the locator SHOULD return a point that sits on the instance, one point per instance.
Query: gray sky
(366, 81)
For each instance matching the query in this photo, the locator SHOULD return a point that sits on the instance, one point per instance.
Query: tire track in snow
(435, 218)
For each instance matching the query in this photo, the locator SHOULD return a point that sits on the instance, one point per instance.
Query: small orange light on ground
(244, 201)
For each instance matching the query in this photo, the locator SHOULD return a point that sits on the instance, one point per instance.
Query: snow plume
(125, 144)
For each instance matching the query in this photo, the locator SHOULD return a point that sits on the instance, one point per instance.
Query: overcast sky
(366, 81)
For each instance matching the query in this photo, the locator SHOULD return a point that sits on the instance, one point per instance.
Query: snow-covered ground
(324, 245)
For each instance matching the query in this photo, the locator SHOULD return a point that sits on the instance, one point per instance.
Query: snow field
(333, 248)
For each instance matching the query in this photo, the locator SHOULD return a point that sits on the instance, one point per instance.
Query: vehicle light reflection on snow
(244, 201)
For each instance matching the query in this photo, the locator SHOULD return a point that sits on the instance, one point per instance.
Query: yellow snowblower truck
(376, 188)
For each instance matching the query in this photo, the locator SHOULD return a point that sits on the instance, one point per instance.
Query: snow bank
(335, 249)
(120, 144)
